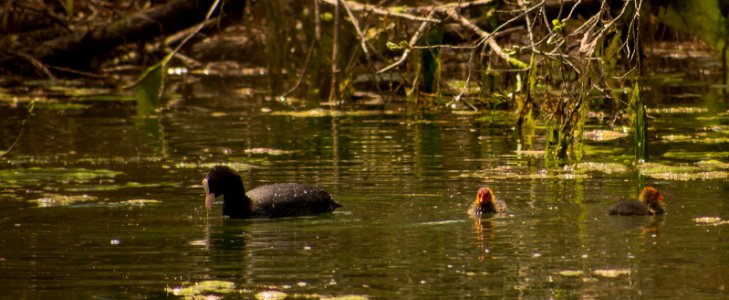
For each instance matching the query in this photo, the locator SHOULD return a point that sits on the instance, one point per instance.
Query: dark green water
(97, 203)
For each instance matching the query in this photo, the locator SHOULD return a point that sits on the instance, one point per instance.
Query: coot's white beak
(209, 197)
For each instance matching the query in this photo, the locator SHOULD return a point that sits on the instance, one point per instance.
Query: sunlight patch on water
(678, 110)
(712, 221)
(267, 151)
(320, 112)
(611, 273)
(570, 273)
(601, 135)
(54, 200)
(238, 166)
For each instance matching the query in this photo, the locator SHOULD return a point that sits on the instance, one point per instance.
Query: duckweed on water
(607, 168)
(694, 140)
(507, 172)
(114, 187)
(37, 174)
(704, 170)
(696, 155)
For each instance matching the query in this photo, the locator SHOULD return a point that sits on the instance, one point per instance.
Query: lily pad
(607, 168)
(193, 291)
(611, 273)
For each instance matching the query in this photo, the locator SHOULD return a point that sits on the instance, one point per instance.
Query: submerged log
(84, 49)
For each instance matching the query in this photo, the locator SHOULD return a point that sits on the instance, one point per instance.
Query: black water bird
(268, 201)
(650, 202)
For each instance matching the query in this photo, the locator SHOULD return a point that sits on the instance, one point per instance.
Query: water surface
(98, 202)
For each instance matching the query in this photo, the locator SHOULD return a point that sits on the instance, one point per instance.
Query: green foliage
(148, 89)
(557, 26)
(69, 7)
(402, 45)
(702, 18)
(638, 121)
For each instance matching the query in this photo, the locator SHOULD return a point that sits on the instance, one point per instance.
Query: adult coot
(268, 201)
(486, 203)
(650, 203)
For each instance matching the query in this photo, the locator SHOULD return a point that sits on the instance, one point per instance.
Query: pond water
(99, 203)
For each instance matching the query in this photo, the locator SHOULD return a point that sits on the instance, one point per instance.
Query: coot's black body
(650, 202)
(633, 208)
(268, 201)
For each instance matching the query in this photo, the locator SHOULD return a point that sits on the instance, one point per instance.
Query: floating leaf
(607, 168)
(195, 290)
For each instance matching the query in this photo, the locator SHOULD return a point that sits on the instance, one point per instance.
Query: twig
(380, 11)
(22, 129)
(334, 88)
(303, 71)
(413, 40)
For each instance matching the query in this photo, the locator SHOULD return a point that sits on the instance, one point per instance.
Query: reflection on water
(100, 203)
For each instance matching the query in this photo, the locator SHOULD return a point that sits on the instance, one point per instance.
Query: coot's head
(485, 196)
(651, 196)
(221, 180)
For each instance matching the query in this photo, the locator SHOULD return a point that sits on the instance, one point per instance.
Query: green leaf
(148, 89)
